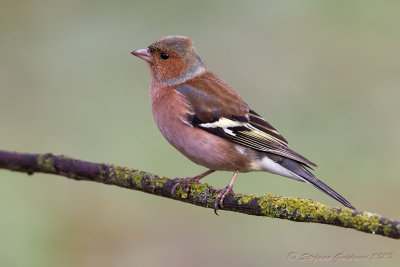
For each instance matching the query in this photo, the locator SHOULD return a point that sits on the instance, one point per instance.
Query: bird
(206, 120)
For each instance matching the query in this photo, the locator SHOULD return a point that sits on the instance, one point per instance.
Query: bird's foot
(184, 181)
(219, 200)
(195, 179)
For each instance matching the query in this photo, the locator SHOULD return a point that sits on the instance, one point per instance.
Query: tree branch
(274, 206)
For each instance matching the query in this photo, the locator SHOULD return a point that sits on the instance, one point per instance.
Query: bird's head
(172, 60)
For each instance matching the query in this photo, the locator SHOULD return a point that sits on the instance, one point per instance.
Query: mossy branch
(274, 206)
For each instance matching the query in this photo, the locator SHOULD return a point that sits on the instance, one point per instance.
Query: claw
(219, 200)
(195, 179)
(176, 185)
(183, 181)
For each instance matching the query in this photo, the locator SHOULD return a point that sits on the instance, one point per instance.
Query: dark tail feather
(308, 177)
(327, 190)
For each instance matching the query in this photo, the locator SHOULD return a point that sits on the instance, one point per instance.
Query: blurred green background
(326, 74)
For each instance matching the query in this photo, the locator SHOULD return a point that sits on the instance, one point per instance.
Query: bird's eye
(164, 56)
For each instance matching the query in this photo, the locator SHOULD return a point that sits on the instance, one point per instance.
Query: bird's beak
(143, 54)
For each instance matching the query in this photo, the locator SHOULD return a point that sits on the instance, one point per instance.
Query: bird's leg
(195, 179)
(219, 200)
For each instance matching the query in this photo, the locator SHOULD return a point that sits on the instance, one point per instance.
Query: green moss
(244, 199)
(122, 176)
(137, 179)
(202, 193)
(387, 230)
(366, 221)
(159, 182)
(310, 211)
(153, 181)
(46, 162)
(179, 191)
(294, 208)
(196, 190)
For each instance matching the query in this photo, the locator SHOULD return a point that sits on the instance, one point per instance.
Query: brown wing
(216, 98)
(218, 109)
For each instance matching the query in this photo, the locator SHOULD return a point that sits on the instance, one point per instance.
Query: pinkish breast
(170, 113)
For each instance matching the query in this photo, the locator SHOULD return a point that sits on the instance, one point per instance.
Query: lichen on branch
(274, 206)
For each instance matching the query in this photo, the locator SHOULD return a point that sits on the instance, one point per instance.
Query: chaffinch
(207, 120)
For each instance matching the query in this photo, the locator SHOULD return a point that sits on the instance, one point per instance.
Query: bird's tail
(305, 175)
(311, 179)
